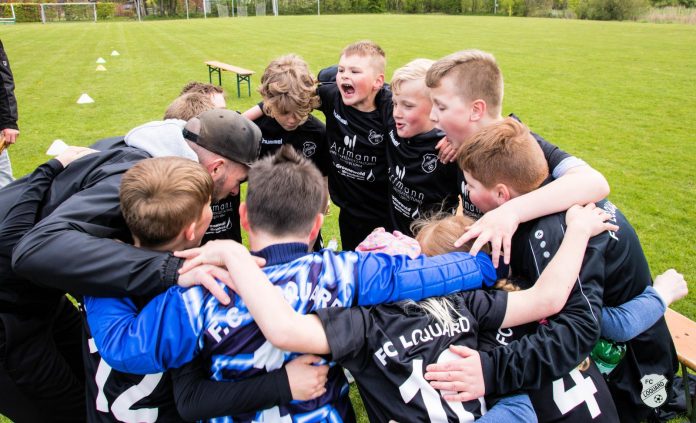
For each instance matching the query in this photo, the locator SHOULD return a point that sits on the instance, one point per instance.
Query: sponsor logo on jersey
(271, 142)
(429, 163)
(309, 148)
(339, 118)
(374, 137)
(350, 142)
(400, 172)
(654, 391)
(393, 138)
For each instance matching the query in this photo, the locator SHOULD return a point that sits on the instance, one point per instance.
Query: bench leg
(243, 78)
(211, 71)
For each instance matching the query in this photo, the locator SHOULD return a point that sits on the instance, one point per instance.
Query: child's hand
(447, 152)
(671, 286)
(73, 153)
(461, 379)
(307, 379)
(497, 227)
(591, 219)
(205, 276)
(218, 253)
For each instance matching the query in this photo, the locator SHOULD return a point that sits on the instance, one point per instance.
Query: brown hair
(188, 106)
(477, 77)
(507, 153)
(436, 234)
(161, 196)
(201, 88)
(369, 49)
(287, 86)
(284, 194)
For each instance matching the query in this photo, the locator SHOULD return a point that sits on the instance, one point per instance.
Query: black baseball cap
(226, 133)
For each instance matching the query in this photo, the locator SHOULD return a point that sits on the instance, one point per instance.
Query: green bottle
(607, 355)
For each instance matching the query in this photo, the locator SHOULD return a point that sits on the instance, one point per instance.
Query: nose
(397, 111)
(433, 114)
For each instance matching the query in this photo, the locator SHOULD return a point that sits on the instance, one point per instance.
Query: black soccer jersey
(358, 166)
(113, 396)
(554, 156)
(578, 397)
(387, 348)
(309, 139)
(418, 181)
(225, 221)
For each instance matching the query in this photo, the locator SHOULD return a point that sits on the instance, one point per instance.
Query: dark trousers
(41, 359)
(354, 230)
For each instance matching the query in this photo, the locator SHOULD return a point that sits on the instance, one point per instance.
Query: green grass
(619, 95)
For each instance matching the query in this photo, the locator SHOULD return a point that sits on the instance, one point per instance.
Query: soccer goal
(68, 12)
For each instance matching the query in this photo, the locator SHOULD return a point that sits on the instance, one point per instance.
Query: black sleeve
(554, 155)
(73, 249)
(347, 330)
(327, 94)
(8, 102)
(488, 307)
(23, 214)
(561, 344)
(198, 398)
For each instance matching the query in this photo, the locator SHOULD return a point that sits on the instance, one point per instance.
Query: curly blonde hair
(287, 86)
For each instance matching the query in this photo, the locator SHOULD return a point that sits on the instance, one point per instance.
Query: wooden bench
(683, 332)
(243, 75)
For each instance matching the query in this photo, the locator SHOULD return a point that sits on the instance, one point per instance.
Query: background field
(619, 95)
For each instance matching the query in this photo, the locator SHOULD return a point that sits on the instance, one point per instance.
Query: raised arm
(550, 292)
(253, 113)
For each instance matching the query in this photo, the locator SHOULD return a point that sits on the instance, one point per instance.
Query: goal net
(68, 12)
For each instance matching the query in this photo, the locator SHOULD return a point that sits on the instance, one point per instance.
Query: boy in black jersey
(284, 116)
(418, 183)
(614, 271)
(386, 346)
(467, 92)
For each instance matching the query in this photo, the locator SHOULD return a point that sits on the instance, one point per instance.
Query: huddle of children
(422, 339)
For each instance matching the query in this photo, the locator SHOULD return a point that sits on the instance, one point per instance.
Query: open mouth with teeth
(348, 88)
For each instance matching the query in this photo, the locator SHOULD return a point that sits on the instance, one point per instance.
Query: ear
(316, 227)
(244, 216)
(215, 167)
(189, 232)
(502, 194)
(478, 110)
(379, 82)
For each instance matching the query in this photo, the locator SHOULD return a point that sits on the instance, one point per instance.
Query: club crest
(429, 163)
(309, 148)
(374, 137)
(654, 392)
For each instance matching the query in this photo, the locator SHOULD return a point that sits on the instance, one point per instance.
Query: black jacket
(73, 246)
(8, 102)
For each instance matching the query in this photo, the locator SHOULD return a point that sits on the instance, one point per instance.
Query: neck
(173, 245)
(259, 240)
(367, 105)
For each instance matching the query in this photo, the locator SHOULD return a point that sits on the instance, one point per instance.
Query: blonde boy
(467, 92)
(504, 162)
(214, 92)
(354, 107)
(418, 183)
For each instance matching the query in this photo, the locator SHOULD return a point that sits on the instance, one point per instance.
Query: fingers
(460, 397)
(507, 247)
(482, 239)
(470, 234)
(190, 253)
(462, 351)
(223, 276)
(215, 289)
(309, 359)
(191, 263)
(260, 261)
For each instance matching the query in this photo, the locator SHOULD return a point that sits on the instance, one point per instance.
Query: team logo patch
(374, 137)
(309, 148)
(654, 391)
(429, 163)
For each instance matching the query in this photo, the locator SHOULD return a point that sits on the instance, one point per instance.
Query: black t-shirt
(309, 139)
(358, 167)
(578, 397)
(554, 156)
(418, 182)
(225, 221)
(387, 348)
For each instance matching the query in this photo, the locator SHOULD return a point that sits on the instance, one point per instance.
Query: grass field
(619, 95)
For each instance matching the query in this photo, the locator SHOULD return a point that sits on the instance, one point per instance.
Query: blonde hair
(201, 88)
(188, 106)
(414, 70)
(159, 197)
(477, 77)
(507, 153)
(367, 48)
(287, 86)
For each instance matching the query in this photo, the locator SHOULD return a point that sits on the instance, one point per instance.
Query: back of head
(476, 75)
(161, 196)
(436, 234)
(224, 133)
(201, 88)
(285, 193)
(287, 86)
(414, 70)
(367, 48)
(189, 105)
(504, 153)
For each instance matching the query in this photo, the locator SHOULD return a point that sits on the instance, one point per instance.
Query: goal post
(68, 12)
